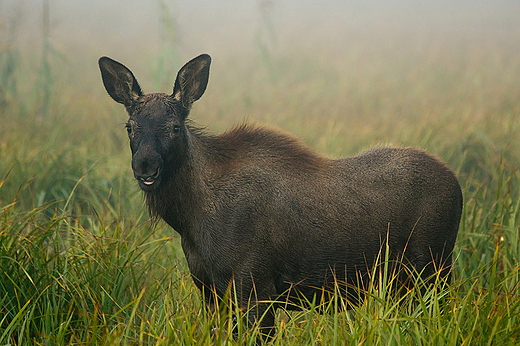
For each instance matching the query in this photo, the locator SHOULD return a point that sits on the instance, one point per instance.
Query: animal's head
(156, 125)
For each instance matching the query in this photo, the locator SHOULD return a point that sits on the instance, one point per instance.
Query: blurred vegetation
(166, 63)
(81, 264)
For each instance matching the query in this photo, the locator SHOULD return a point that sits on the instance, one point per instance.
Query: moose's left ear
(119, 81)
(192, 80)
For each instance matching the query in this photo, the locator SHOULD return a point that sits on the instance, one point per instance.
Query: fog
(134, 32)
(134, 27)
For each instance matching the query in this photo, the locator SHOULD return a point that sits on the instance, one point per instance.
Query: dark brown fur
(259, 207)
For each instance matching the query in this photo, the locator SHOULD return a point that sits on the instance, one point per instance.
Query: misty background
(349, 69)
(134, 32)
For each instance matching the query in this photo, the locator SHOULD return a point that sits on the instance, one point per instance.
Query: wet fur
(256, 206)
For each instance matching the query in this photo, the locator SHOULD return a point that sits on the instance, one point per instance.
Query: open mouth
(148, 181)
(149, 184)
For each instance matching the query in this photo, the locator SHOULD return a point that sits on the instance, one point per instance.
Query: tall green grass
(124, 282)
(81, 263)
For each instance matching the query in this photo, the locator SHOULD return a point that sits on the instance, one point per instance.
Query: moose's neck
(180, 200)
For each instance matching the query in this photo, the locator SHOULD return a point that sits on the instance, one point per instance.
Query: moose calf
(256, 207)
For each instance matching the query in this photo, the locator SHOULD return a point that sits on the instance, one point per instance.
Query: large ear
(192, 80)
(119, 81)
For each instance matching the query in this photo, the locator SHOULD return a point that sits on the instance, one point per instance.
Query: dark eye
(128, 128)
(176, 130)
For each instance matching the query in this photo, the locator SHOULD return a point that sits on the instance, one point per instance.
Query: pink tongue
(148, 182)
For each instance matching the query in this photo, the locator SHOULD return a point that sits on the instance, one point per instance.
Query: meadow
(81, 263)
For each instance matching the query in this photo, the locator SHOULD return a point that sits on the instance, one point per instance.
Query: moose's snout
(147, 165)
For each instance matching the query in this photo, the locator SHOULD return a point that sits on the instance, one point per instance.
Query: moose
(258, 209)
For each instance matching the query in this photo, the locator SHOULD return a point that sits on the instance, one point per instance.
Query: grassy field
(81, 264)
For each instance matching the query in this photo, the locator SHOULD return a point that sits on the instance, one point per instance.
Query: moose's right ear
(119, 81)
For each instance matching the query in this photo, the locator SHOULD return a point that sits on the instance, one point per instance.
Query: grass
(81, 264)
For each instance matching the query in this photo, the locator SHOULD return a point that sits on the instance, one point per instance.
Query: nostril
(155, 175)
